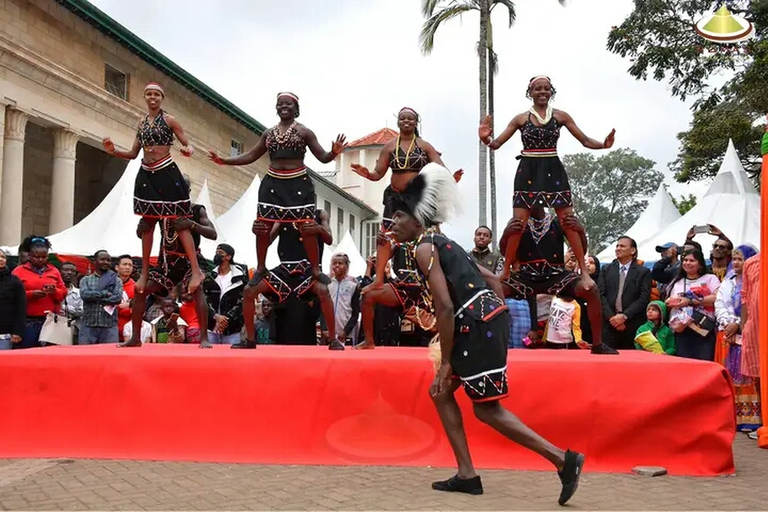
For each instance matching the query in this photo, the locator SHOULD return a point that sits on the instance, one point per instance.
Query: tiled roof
(377, 138)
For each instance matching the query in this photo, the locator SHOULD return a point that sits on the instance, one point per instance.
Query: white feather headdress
(432, 196)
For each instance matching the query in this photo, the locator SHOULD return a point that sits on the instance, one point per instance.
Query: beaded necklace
(425, 294)
(539, 227)
(547, 115)
(407, 153)
(283, 137)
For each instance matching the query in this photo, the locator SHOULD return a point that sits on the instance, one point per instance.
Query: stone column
(62, 209)
(13, 177)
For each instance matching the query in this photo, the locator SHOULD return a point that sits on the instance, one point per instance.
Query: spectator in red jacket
(43, 285)
(124, 269)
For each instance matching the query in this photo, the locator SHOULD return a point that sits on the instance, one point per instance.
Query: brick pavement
(138, 485)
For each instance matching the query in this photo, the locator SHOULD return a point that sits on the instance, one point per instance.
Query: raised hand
(215, 158)
(109, 146)
(458, 174)
(361, 170)
(609, 139)
(339, 144)
(485, 130)
(187, 151)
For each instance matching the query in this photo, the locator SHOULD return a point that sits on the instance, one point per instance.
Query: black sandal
(569, 476)
(456, 484)
(244, 344)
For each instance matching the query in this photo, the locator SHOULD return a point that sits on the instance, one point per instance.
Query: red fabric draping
(306, 405)
(763, 311)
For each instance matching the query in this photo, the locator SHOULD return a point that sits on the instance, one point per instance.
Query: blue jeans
(97, 335)
(223, 339)
(5, 342)
(31, 336)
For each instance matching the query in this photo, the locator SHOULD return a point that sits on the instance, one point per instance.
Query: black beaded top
(288, 145)
(540, 137)
(415, 161)
(155, 132)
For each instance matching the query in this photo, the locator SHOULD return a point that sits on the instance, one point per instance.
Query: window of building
(235, 148)
(115, 82)
(370, 230)
(352, 226)
(327, 207)
(339, 224)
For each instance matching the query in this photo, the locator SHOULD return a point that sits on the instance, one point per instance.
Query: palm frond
(432, 25)
(510, 5)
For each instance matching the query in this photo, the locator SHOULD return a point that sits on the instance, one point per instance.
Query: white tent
(235, 227)
(111, 225)
(208, 247)
(347, 246)
(660, 213)
(731, 203)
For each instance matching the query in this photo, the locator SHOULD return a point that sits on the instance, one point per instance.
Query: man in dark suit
(625, 291)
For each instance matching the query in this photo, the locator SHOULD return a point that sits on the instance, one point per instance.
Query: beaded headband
(154, 86)
(537, 78)
(290, 95)
(409, 109)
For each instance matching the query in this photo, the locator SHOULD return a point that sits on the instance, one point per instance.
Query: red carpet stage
(307, 405)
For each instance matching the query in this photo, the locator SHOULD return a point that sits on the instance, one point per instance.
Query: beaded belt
(286, 175)
(539, 153)
(160, 164)
(489, 304)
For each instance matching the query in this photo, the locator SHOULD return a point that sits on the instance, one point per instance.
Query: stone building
(70, 76)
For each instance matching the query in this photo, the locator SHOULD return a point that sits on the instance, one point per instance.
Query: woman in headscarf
(541, 179)
(729, 340)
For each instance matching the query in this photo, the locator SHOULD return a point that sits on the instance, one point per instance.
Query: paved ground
(134, 485)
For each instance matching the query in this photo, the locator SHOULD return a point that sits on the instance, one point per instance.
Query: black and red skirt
(160, 191)
(541, 181)
(286, 196)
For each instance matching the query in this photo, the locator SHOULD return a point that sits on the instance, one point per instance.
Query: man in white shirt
(224, 291)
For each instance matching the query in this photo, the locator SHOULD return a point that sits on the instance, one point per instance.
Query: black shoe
(604, 349)
(244, 344)
(570, 475)
(456, 484)
(335, 345)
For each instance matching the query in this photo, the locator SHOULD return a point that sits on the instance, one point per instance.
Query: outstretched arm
(246, 158)
(566, 120)
(493, 281)
(382, 164)
(109, 147)
(178, 131)
(324, 156)
(325, 235)
(205, 227)
(432, 154)
(486, 133)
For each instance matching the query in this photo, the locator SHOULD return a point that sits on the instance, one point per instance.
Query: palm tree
(436, 14)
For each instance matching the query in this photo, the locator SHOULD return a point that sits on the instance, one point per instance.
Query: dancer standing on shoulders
(473, 324)
(541, 179)
(286, 194)
(406, 156)
(160, 192)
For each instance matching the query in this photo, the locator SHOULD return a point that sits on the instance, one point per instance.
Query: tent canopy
(731, 203)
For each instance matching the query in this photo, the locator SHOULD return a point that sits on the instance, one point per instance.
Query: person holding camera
(722, 248)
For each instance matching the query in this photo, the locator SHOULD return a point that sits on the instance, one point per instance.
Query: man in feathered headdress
(473, 325)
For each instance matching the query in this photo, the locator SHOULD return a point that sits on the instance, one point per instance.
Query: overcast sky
(355, 63)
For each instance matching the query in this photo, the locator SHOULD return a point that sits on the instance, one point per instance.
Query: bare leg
(383, 255)
(450, 417)
(513, 242)
(139, 308)
(250, 293)
(313, 255)
(146, 231)
(385, 296)
(201, 308)
(262, 244)
(510, 426)
(574, 239)
(326, 304)
(197, 277)
(594, 312)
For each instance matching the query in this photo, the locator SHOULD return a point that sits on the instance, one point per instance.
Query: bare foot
(195, 281)
(141, 284)
(376, 285)
(586, 282)
(205, 344)
(364, 345)
(129, 343)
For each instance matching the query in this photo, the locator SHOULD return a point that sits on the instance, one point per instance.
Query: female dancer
(541, 179)
(406, 156)
(286, 194)
(160, 191)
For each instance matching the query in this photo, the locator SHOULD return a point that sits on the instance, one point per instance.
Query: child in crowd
(265, 323)
(563, 328)
(655, 335)
(169, 327)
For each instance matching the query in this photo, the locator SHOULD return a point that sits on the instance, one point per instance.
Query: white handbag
(57, 329)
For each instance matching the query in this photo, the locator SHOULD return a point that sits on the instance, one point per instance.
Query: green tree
(438, 12)
(659, 40)
(610, 192)
(684, 204)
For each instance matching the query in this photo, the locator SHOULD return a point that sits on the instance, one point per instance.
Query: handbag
(57, 329)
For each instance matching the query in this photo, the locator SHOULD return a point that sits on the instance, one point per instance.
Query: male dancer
(542, 267)
(473, 324)
(293, 276)
(173, 268)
